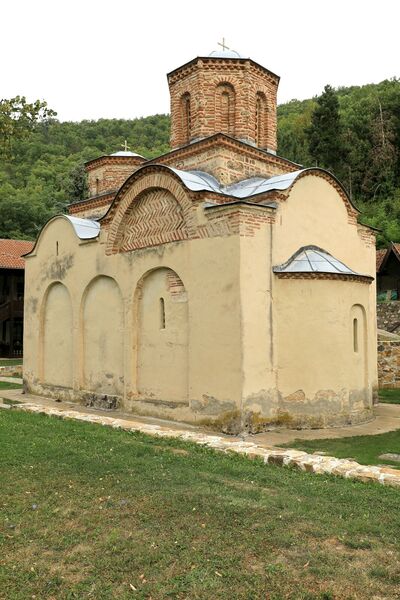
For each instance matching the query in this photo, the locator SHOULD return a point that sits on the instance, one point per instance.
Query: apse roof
(311, 259)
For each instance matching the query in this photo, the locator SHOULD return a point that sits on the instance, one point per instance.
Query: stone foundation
(263, 412)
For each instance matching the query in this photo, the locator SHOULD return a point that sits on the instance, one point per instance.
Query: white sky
(97, 58)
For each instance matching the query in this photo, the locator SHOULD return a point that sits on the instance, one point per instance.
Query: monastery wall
(388, 315)
(389, 364)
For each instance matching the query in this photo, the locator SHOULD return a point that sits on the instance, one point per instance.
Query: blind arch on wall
(261, 120)
(225, 109)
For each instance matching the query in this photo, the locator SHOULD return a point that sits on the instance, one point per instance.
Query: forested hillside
(44, 172)
(355, 132)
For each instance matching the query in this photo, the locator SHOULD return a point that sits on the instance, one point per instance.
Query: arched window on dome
(186, 118)
(261, 122)
(225, 109)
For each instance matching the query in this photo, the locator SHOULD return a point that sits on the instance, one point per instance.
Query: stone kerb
(311, 463)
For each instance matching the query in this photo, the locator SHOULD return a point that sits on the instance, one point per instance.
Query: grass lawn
(389, 396)
(91, 512)
(4, 362)
(365, 449)
(7, 385)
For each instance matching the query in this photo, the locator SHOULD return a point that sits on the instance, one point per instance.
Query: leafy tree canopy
(354, 131)
(17, 119)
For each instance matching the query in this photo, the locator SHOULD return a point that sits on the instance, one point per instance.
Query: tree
(17, 119)
(325, 139)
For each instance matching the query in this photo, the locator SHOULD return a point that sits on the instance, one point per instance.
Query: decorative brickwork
(318, 275)
(108, 173)
(92, 207)
(236, 219)
(154, 218)
(168, 217)
(225, 96)
(227, 159)
(175, 286)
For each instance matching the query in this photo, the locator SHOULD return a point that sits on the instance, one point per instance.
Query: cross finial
(125, 146)
(224, 47)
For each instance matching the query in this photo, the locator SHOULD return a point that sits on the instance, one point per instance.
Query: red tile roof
(380, 255)
(11, 252)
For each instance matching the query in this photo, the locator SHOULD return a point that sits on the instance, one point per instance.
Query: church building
(218, 284)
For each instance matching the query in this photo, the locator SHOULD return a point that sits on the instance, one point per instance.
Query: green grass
(389, 396)
(4, 362)
(88, 512)
(6, 385)
(365, 449)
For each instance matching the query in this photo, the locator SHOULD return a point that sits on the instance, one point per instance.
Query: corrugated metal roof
(11, 252)
(311, 259)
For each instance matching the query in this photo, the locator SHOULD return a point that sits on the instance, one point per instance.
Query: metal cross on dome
(125, 146)
(224, 47)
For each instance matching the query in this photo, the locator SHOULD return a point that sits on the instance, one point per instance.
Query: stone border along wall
(311, 463)
(388, 314)
(10, 370)
(389, 364)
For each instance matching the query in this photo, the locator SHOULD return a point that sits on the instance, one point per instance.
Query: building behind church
(218, 284)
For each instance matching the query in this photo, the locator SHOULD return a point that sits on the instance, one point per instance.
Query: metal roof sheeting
(225, 54)
(311, 259)
(126, 153)
(85, 229)
(199, 181)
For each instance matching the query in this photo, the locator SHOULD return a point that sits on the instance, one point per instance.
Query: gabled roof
(382, 256)
(11, 252)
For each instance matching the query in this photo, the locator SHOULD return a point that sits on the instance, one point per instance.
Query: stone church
(219, 284)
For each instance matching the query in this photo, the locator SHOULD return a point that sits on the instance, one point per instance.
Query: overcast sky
(97, 58)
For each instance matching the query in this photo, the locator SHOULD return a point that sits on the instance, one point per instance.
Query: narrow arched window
(261, 121)
(225, 109)
(186, 118)
(97, 185)
(355, 335)
(162, 313)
